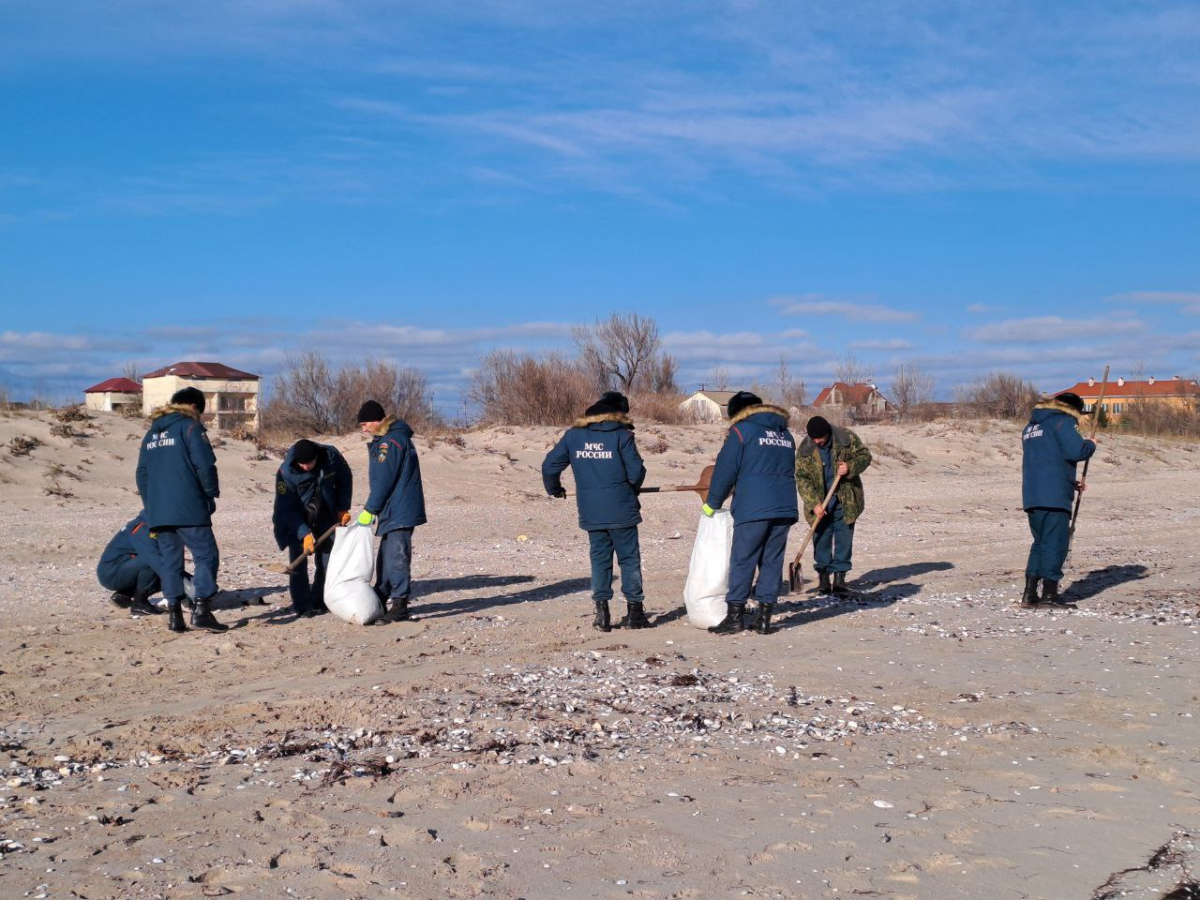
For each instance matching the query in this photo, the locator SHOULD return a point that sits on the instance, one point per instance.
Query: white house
(230, 395)
(708, 406)
(113, 395)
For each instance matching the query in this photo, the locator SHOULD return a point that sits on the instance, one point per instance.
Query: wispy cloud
(882, 344)
(854, 311)
(1052, 329)
(1184, 301)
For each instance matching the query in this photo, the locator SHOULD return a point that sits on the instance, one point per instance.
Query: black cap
(1072, 400)
(741, 400)
(189, 396)
(370, 411)
(818, 427)
(609, 402)
(305, 451)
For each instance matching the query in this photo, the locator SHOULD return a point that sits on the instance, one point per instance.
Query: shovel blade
(795, 576)
(277, 568)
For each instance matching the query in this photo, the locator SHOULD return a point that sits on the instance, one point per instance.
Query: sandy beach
(924, 739)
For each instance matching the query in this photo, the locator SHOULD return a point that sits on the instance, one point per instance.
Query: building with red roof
(230, 395)
(113, 395)
(1120, 394)
(858, 401)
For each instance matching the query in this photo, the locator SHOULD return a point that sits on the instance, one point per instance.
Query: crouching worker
(603, 456)
(396, 505)
(129, 567)
(313, 489)
(1051, 448)
(828, 453)
(755, 465)
(177, 478)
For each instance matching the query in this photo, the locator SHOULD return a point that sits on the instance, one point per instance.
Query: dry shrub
(450, 438)
(656, 444)
(74, 413)
(1154, 418)
(64, 430)
(891, 451)
(522, 390)
(23, 444)
(999, 395)
(661, 408)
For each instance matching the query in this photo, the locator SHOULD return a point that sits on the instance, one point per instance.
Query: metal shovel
(281, 569)
(795, 571)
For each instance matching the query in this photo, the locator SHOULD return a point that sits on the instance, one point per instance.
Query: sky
(963, 187)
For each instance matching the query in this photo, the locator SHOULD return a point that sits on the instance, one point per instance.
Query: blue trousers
(134, 577)
(393, 565)
(205, 556)
(833, 543)
(306, 596)
(1051, 529)
(624, 542)
(757, 545)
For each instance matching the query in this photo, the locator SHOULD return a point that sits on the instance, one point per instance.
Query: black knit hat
(609, 402)
(370, 411)
(741, 400)
(1072, 400)
(818, 427)
(305, 451)
(189, 396)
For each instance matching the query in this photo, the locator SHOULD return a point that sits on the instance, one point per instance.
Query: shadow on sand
(423, 610)
(900, 573)
(1099, 580)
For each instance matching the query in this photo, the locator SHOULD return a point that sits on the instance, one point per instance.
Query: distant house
(856, 401)
(1119, 394)
(708, 406)
(113, 395)
(230, 395)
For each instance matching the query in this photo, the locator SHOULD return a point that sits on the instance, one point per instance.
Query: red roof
(202, 370)
(852, 394)
(1171, 387)
(115, 386)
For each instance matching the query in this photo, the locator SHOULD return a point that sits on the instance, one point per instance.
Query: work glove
(212, 505)
(366, 518)
(707, 510)
(310, 543)
(560, 494)
(344, 516)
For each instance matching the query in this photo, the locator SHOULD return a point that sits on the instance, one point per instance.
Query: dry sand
(927, 739)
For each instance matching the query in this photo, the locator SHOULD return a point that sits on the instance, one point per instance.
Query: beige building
(113, 395)
(230, 395)
(708, 406)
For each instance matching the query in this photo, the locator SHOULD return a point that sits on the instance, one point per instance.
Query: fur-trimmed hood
(596, 418)
(180, 408)
(1057, 406)
(383, 427)
(759, 408)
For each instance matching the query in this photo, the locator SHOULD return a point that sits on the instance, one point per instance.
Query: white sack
(348, 591)
(708, 573)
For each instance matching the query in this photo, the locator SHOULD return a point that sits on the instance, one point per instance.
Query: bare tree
(1000, 394)
(910, 388)
(618, 349)
(521, 390)
(720, 378)
(789, 391)
(132, 370)
(663, 375)
(304, 394)
(851, 371)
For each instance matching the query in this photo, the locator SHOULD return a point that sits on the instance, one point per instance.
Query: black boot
(733, 622)
(762, 621)
(1029, 599)
(1050, 594)
(202, 617)
(175, 617)
(839, 585)
(399, 611)
(823, 585)
(119, 600)
(636, 616)
(603, 620)
(140, 606)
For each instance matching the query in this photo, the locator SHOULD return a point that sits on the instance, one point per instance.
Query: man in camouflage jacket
(824, 454)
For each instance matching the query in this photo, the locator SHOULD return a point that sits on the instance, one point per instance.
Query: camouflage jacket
(810, 474)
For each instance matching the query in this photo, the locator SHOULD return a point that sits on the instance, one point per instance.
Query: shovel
(1086, 463)
(700, 487)
(795, 572)
(281, 569)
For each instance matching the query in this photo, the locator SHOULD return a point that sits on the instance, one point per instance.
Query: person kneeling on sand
(1051, 447)
(313, 490)
(130, 567)
(177, 478)
(396, 505)
(603, 456)
(827, 453)
(755, 465)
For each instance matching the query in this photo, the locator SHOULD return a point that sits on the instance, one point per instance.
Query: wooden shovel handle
(319, 541)
(812, 528)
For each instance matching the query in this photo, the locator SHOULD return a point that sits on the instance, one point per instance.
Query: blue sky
(965, 189)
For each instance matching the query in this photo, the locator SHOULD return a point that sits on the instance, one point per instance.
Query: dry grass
(23, 445)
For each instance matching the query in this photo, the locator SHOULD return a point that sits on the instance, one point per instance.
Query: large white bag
(348, 591)
(708, 573)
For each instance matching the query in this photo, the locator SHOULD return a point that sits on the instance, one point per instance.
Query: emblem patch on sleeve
(280, 487)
